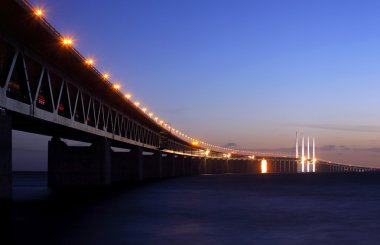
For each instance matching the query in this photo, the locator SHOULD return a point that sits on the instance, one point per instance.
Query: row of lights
(69, 42)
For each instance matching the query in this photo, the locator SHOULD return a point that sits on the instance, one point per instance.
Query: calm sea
(208, 209)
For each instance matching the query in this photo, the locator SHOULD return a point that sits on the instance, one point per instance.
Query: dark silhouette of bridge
(47, 87)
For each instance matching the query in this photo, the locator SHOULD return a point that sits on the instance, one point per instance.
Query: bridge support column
(152, 165)
(218, 165)
(252, 166)
(78, 165)
(188, 165)
(128, 166)
(5, 178)
(178, 165)
(167, 165)
(225, 166)
(212, 165)
(195, 165)
(203, 166)
(275, 169)
(5, 157)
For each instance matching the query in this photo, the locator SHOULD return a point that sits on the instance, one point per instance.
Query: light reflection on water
(216, 209)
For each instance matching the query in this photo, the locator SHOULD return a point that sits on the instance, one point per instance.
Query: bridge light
(106, 75)
(207, 152)
(144, 109)
(156, 119)
(89, 62)
(116, 86)
(150, 114)
(137, 103)
(39, 12)
(67, 41)
(195, 143)
(128, 96)
(264, 167)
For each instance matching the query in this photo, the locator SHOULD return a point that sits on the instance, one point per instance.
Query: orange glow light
(106, 75)
(67, 41)
(89, 62)
(116, 86)
(39, 12)
(128, 96)
(144, 109)
(137, 103)
(264, 167)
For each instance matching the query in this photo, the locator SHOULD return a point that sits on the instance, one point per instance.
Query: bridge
(47, 87)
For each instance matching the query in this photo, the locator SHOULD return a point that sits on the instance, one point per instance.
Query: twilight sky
(246, 72)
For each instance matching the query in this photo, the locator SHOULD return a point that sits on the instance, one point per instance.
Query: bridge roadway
(46, 88)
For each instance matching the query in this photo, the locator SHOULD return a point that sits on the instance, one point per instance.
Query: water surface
(208, 209)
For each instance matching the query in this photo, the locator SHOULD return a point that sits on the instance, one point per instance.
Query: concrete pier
(178, 167)
(5, 177)
(78, 165)
(202, 166)
(167, 161)
(128, 166)
(196, 165)
(152, 165)
(210, 166)
(5, 157)
(239, 165)
(187, 165)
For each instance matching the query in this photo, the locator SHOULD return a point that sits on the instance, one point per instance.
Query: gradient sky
(251, 73)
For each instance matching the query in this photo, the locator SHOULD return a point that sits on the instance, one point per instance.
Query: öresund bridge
(47, 87)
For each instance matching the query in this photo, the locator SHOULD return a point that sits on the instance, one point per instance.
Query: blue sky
(245, 72)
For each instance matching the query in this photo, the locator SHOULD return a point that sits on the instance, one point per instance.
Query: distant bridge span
(47, 88)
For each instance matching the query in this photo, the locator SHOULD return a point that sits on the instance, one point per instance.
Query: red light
(41, 101)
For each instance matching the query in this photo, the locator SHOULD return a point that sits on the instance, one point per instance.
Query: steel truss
(29, 87)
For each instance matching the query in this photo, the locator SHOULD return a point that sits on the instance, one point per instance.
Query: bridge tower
(307, 162)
